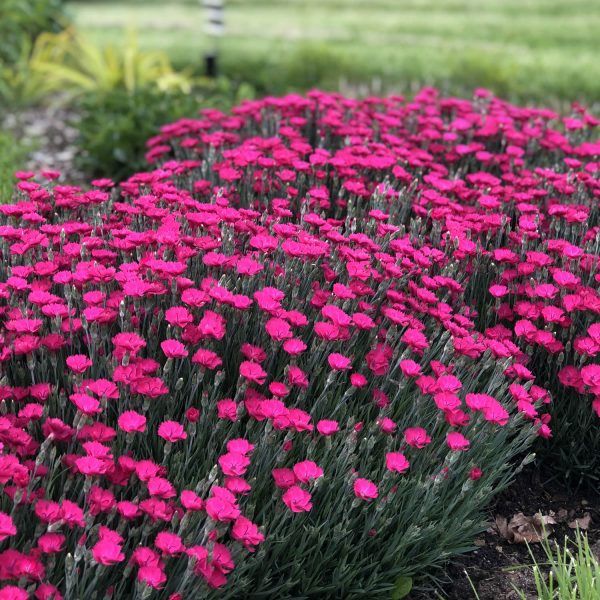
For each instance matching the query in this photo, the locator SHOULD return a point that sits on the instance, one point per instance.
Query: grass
(570, 572)
(12, 159)
(524, 49)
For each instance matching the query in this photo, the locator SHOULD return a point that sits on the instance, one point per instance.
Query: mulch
(497, 567)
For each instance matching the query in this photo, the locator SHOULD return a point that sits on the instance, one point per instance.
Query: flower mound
(259, 370)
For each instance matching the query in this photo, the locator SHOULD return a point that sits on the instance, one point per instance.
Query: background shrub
(115, 125)
(12, 158)
(24, 20)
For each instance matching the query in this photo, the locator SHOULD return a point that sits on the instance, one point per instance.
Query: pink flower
(227, 409)
(590, 375)
(240, 445)
(12, 592)
(475, 473)
(387, 425)
(131, 421)
(253, 372)
(178, 316)
(174, 349)
(297, 499)
(172, 431)
(129, 342)
(396, 461)
(78, 363)
(207, 359)
(212, 325)
(294, 347)
(220, 509)
(457, 441)
(152, 576)
(46, 591)
(107, 552)
(246, 532)
(365, 489)
(339, 362)
(50, 543)
(410, 368)
(169, 543)
(284, 478)
(191, 501)
(378, 360)
(278, 329)
(7, 527)
(88, 405)
(234, 463)
(91, 466)
(498, 291)
(416, 437)
(327, 427)
(192, 414)
(358, 380)
(307, 471)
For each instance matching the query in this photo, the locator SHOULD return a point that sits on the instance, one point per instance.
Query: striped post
(214, 27)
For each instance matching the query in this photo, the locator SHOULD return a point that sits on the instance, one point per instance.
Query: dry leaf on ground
(523, 529)
(581, 522)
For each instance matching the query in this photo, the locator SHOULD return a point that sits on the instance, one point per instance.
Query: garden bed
(497, 567)
(302, 352)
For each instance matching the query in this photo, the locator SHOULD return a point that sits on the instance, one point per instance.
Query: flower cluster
(266, 368)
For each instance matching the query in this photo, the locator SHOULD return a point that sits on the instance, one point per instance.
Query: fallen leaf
(479, 542)
(581, 522)
(502, 527)
(562, 515)
(522, 529)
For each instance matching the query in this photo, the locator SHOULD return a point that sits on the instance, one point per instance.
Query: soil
(50, 132)
(497, 567)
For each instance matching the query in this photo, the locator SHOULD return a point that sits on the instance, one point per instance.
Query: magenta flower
(365, 489)
(247, 533)
(173, 349)
(396, 461)
(107, 552)
(297, 499)
(284, 478)
(152, 576)
(78, 363)
(307, 471)
(172, 431)
(339, 362)
(327, 427)
(457, 441)
(222, 509)
(253, 372)
(234, 463)
(416, 437)
(168, 543)
(131, 421)
(207, 359)
(7, 527)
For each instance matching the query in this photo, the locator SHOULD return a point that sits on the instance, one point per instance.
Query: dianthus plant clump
(294, 359)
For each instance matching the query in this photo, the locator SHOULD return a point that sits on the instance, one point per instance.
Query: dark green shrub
(12, 158)
(22, 20)
(115, 125)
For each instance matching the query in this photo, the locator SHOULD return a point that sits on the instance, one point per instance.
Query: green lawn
(526, 49)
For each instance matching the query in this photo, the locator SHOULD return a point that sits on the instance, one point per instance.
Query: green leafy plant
(116, 124)
(74, 66)
(12, 156)
(20, 85)
(570, 573)
(22, 20)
